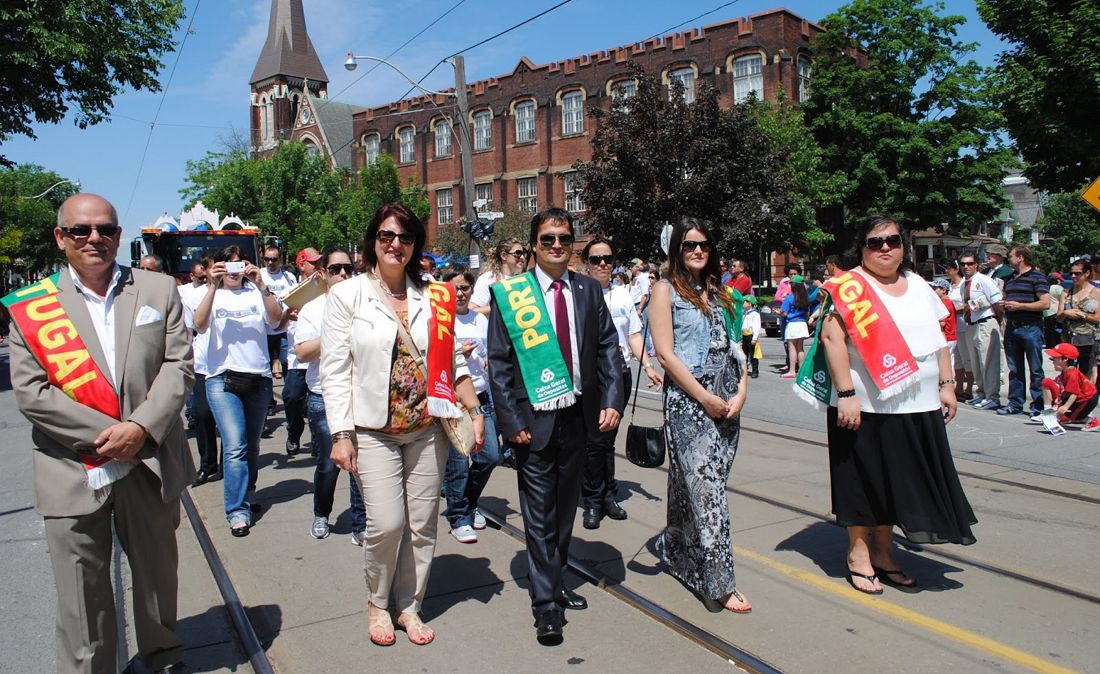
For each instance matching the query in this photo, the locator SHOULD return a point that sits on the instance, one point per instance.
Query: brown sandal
(380, 627)
(419, 633)
(746, 608)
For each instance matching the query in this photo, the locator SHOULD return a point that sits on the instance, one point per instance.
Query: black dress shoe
(614, 510)
(292, 448)
(571, 600)
(548, 628)
(201, 478)
(591, 519)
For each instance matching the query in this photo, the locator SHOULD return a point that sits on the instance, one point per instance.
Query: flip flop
(884, 577)
(739, 597)
(380, 628)
(410, 623)
(871, 579)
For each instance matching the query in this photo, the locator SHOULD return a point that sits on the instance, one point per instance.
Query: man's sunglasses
(547, 240)
(84, 231)
(968, 264)
(691, 246)
(335, 269)
(875, 242)
(271, 259)
(601, 259)
(387, 236)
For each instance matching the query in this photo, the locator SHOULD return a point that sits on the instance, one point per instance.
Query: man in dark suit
(101, 365)
(550, 444)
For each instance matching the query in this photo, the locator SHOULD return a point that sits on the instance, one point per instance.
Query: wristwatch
(478, 411)
(341, 435)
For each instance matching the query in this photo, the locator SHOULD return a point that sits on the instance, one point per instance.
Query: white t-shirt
(292, 362)
(191, 296)
(639, 287)
(623, 315)
(278, 284)
(481, 295)
(984, 292)
(917, 315)
(472, 326)
(238, 332)
(309, 322)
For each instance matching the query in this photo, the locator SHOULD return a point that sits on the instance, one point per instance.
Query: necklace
(397, 296)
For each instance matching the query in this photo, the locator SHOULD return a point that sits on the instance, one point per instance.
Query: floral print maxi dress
(696, 543)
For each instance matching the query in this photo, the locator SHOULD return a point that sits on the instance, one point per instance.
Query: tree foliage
(58, 54)
(1047, 85)
(903, 116)
(1073, 229)
(656, 158)
(451, 241)
(26, 228)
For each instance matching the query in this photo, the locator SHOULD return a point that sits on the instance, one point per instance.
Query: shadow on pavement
(632, 488)
(456, 579)
(209, 647)
(267, 620)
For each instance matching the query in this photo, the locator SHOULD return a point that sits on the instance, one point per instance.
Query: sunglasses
(875, 242)
(271, 259)
(966, 264)
(387, 236)
(519, 254)
(691, 246)
(335, 269)
(595, 260)
(84, 231)
(1079, 273)
(547, 240)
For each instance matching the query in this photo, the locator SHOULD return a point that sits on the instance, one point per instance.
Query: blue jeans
(465, 478)
(327, 472)
(206, 433)
(240, 420)
(294, 403)
(1024, 340)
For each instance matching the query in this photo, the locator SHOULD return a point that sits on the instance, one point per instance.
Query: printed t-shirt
(278, 284)
(238, 332)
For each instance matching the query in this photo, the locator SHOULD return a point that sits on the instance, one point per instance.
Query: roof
(336, 121)
(288, 50)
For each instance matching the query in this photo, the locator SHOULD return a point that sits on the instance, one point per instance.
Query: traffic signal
(481, 230)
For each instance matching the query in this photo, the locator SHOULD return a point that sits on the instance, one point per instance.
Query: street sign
(666, 235)
(1092, 194)
(491, 215)
(475, 261)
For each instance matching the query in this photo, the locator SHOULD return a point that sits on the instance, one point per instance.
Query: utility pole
(465, 147)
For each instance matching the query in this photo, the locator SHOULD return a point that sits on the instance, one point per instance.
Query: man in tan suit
(126, 330)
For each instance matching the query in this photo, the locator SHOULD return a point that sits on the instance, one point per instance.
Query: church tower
(288, 70)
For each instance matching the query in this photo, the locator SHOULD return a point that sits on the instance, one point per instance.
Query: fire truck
(198, 232)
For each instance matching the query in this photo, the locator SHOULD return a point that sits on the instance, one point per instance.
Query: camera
(234, 267)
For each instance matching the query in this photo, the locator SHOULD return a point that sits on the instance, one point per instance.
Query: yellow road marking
(929, 623)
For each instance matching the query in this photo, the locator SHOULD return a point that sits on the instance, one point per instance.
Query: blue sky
(209, 93)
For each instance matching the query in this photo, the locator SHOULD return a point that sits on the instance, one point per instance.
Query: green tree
(451, 240)
(656, 158)
(378, 184)
(58, 54)
(903, 116)
(26, 228)
(1072, 228)
(1047, 85)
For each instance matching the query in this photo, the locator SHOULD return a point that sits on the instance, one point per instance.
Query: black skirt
(897, 469)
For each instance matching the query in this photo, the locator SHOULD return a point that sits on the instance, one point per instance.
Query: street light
(351, 65)
(49, 189)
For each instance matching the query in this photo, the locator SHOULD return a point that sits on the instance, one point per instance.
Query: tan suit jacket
(154, 366)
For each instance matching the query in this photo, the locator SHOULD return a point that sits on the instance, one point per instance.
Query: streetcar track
(725, 649)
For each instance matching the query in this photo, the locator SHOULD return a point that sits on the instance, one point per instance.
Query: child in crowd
(1074, 393)
(949, 324)
(751, 329)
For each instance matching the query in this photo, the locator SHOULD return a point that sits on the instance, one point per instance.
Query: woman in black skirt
(890, 462)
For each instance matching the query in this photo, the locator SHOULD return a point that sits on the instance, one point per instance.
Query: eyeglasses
(519, 254)
(691, 246)
(271, 259)
(335, 269)
(875, 242)
(84, 231)
(547, 240)
(968, 264)
(387, 236)
(601, 259)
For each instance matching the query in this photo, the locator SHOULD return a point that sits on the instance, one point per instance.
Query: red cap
(1064, 350)
(307, 255)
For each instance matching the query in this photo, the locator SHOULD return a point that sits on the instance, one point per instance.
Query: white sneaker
(479, 520)
(357, 537)
(464, 534)
(320, 528)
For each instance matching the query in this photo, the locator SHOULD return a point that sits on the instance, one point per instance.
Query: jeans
(240, 420)
(294, 403)
(327, 472)
(206, 432)
(465, 478)
(1024, 340)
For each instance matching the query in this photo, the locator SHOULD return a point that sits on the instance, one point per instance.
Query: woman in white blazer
(376, 404)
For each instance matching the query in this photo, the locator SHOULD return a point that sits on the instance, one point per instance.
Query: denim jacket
(690, 333)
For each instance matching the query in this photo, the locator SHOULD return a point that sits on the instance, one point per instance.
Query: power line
(666, 31)
(164, 94)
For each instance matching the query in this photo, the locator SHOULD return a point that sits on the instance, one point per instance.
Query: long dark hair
(329, 252)
(801, 297)
(410, 223)
(682, 280)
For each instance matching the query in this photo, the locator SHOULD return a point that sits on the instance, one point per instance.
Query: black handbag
(242, 383)
(645, 445)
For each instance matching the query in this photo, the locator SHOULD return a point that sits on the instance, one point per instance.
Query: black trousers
(749, 349)
(206, 432)
(599, 484)
(549, 486)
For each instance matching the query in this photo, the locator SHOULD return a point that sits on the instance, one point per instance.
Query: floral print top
(408, 392)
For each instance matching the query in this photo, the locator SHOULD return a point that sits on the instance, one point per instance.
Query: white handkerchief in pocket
(147, 315)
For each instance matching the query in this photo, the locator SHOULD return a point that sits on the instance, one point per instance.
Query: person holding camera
(236, 312)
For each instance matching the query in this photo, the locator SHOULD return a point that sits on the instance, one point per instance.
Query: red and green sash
(442, 401)
(52, 338)
(873, 333)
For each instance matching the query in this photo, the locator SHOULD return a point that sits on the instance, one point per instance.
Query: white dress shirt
(548, 297)
(984, 293)
(102, 311)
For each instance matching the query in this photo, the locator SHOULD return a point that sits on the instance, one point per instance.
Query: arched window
(372, 145)
(262, 140)
(407, 154)
(803, 79)
(748, 77)
(442, 138)
(483, 130)
(525, 122)
(686, 77)
(572, 113)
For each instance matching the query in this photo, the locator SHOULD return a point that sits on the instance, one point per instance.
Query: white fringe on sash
(109, 473)
(808, 397)
(441, 408)
(559, 403)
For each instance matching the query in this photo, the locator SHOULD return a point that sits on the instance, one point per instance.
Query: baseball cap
(996, 249)
(942, 284)
(635, 261)
(307, 255)
(1064, 350)
(751, 299)
(797, 278)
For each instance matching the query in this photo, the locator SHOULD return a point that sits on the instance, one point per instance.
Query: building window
(748, 78)
(528, 192)
(483, 130)
(406, 136)
(574, 198)
(686, 77)
(572, 113)
(621, 92)
(525, 122)
(442, 138)
(484, 191)
(373, 145)
(445, 206)
(270, 121)
(803, 79)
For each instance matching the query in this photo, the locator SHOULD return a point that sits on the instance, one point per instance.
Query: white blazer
(357, 338)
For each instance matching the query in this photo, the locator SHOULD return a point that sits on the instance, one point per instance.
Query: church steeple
(288, 50)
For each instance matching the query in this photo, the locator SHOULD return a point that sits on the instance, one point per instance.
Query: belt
(980, 320)
(1018, 323)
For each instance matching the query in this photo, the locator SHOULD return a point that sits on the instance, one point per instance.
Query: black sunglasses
(690, 246)
(547, 240)
(335, 269)
(387, 236)
(84, 231)
(601, 259)
(271, 259)
(519, 254)
(875, 242)
(968, 264)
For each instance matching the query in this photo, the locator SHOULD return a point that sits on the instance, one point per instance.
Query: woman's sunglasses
(335, 269)
(690, 246)
(595, 260)
(875, 242)
(387, 236)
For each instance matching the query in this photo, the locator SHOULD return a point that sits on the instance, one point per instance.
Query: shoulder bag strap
(641, 371)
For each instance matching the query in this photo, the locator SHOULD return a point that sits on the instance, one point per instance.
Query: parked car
(769, 318)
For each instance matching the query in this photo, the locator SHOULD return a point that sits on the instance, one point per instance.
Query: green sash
(813, 383)
(545, 374)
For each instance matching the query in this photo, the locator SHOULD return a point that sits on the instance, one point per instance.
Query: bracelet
(341, 435)
(850, 393)
(945, 382)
